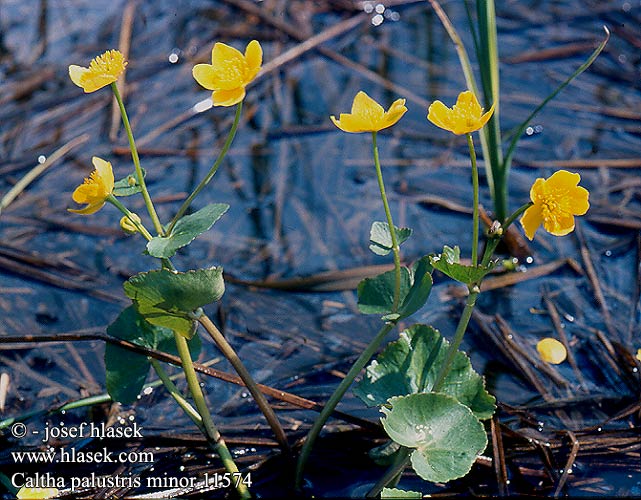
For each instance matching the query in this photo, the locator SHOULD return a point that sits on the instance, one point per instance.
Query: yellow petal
(76, 73)
(351, 123)
(395, 113)
(106, 173)
(88, 210)
(368, 110)
(439, 114)
(204, 75)
(638, 356)
(253, 59)
(229, 67)
(486, 117)
(36, 493)
(228, 97)
(531, 221)
(551, 351)
(468, 104)
(87, 192)
(559, 224)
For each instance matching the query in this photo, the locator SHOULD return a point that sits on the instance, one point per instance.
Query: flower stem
(136, 160)
(175, 393)
(392, 229)
(232, 132)
(329, 407)
(141, 229)
(210, 428)
(392, 473)
(475, 201)
(259, 397)
(516, 215)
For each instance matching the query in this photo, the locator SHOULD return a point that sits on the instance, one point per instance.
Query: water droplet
(608, 253)
(529, 131)
(368, 7)
(507, 481)
(569, 317)
(622, 58)
(569, 471)
(626, 7)
(244, 394)
(635, 369)
(510, 336)
(42, 159)
(599, 429)
(380, 8)
(181, 468)
(131, 418)
(148, 391)
(63, 412)
(529, 260)
(377, 20)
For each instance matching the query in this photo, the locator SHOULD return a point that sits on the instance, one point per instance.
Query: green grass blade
(581, 69)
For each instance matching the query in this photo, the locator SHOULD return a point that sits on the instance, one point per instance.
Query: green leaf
(126, 371)
(411, 365)
(168, 298)
(396, 493)
(446, 436)
(448, 264)
(380, 237)
(376, 295)
(127, 185)
(186, 230)
(418, 294)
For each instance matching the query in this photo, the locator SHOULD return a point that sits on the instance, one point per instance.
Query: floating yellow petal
(229, 72)
(369, 116)
(638, 356)
(102, 70)
(95, 189)
(37, 493)
(556, 201)
(552, 351)
(464, 117)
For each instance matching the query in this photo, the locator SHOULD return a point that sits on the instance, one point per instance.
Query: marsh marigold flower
(556, 201)
(229, 72)
(102, 70)
(552, 351)
(96, 188)
(464, 117)
(369, 116)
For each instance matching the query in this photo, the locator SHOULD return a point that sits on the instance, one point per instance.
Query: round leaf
(445, 434)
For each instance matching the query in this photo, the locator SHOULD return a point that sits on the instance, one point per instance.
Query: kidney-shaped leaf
(396, 493)
(376, 295)
(411, 364)
(186, 230)
(445, 435)
(167, 298)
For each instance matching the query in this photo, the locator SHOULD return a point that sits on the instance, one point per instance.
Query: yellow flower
(36, 493)
(464, 117)
(96, 188)
(551, 351)
(555, 203)
(369, 116)
(102, 70)
(229, 72)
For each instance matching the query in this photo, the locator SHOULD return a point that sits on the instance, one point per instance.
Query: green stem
(329, 407)
(392, 229)
(392, 473)
(232, 132)
(475, 202)
(516, 215)
(175, 393)
(210, 428)
(141, 229)
(252, 386)
(456, 341)
(136, 160)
